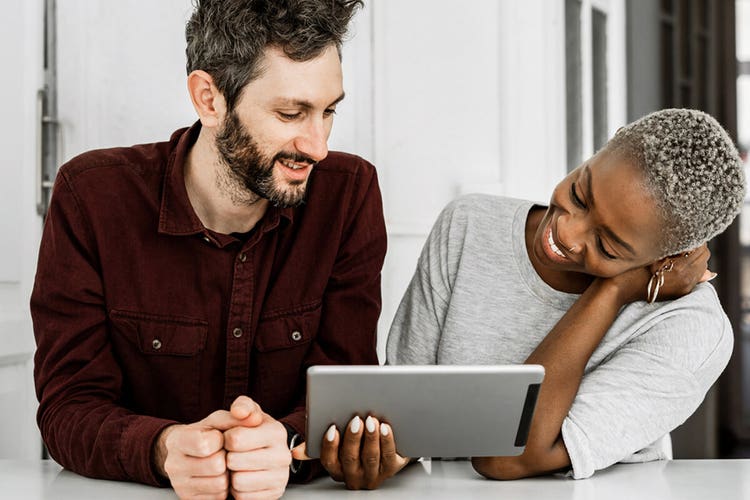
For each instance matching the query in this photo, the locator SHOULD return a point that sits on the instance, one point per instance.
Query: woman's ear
(662, 263)
(207, 100)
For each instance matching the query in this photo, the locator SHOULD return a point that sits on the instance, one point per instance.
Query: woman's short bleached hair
(691, 168)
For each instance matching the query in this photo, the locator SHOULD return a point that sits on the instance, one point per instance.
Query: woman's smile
(551, 247)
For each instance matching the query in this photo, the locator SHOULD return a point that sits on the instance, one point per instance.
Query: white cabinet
(21, 52)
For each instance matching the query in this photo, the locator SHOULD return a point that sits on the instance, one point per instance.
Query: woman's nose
(571, 232)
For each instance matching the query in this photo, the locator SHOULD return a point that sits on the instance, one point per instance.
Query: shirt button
(243, 257)
(296, 336)
(237, 332)
(156, 344)
(207, 239)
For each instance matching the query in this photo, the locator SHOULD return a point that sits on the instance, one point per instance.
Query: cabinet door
(20, 49)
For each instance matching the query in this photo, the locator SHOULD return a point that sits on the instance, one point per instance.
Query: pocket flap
(290, 328)
(160, 334)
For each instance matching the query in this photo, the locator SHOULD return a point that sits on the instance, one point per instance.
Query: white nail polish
(384, 430)
(370, 424)
(331, 433)
(355, 424)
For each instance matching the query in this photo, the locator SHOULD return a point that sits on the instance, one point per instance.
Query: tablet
(435, 411)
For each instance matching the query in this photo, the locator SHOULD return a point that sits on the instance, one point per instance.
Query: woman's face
(600, 221)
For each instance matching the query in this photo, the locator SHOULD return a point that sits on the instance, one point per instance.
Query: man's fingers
(263, 459)
(195, 487)
(197, 442)
(246, 410)
(213, 465)
(371, 451)
(258, 481)
(299, 452)
(221, 420)
(243, 438)
(329, 453)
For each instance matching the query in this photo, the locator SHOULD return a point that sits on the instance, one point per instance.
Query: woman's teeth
(554, 247)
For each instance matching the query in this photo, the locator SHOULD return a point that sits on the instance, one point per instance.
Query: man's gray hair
(227, 38)
(691, 168)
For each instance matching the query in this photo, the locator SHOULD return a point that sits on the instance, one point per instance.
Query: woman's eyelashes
(574, 196)
(603, 250)
(581, 204)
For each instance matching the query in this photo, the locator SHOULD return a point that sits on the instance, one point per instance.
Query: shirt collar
(176, 215)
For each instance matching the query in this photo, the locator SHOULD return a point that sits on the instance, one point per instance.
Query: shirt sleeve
(650, 385)
(347, 334)
(416, 330)
(78, 380)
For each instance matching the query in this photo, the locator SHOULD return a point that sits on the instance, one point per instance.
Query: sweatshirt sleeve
(650, 385)
(417, 327)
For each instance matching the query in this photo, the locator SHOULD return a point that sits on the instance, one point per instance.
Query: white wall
(469, 97)
(121, 72)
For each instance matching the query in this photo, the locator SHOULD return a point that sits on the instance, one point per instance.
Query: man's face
(280, 126)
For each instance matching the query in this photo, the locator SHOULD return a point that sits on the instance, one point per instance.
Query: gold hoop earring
(657, 281)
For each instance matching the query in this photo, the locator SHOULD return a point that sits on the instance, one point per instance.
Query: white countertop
(675, 479)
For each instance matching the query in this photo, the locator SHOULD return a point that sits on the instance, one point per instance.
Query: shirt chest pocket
(156, 351)
(281, 344)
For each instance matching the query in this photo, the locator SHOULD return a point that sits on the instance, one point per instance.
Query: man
(195, 280)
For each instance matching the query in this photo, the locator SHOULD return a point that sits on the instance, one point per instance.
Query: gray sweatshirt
(476, 299)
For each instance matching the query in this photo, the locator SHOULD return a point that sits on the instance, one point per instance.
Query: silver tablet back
(435, 411)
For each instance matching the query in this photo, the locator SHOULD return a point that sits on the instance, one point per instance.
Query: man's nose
(313, 141)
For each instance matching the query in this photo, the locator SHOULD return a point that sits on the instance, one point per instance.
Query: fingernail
(370, 424)
(384, 429)
(713, 275)
(355, 424)
(331, 433)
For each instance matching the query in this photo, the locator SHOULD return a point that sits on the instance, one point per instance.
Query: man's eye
(329, 112)
(289, 116)
(574, 196)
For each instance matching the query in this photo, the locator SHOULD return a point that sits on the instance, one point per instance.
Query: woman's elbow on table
(502, 468)
(530, 463)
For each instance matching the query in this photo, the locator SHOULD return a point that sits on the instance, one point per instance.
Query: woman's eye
(604, 250)
(574, 196)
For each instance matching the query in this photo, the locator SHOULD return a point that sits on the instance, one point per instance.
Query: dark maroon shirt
(144, 318)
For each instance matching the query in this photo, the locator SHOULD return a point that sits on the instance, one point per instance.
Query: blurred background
(444, 97)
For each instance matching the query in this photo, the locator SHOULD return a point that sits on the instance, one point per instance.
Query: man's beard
(250, 172)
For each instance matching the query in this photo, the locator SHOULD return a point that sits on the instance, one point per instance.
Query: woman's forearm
(564, 353)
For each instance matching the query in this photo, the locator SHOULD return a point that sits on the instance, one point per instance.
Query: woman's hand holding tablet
(364, 458)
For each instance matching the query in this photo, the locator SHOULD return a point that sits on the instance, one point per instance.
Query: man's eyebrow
(590, 200)
(301, 103)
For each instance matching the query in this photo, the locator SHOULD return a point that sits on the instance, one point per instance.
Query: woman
(599, 287)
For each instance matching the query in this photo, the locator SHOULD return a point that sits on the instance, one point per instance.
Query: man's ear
(208, 102)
